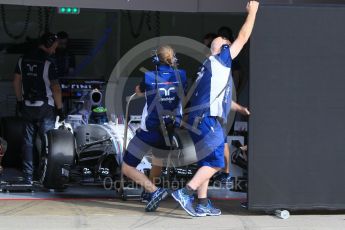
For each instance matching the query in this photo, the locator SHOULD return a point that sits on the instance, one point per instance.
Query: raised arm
(246, 30)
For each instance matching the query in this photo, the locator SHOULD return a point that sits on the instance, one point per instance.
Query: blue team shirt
(169, 101)
(215, 75)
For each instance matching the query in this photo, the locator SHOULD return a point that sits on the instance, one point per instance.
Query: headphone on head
(48, 39)
(157, 61)
(155, 58)
(175, 60)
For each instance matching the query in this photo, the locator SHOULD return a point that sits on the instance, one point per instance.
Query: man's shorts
(142, 143)
(209, 144)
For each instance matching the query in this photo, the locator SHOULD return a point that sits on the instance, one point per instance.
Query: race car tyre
(57, 159)
(184, 153)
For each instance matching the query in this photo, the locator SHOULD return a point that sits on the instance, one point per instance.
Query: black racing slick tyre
(184, 153)
(58, 157)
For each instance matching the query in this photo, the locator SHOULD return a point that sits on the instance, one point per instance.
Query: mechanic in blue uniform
(37, 91)
(210, 104)
(163, 90)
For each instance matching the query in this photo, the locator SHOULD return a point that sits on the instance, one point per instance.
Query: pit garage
(285, 157)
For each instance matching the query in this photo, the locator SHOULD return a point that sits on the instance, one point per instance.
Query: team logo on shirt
(32, 70)
(167, 91)
(167, 94)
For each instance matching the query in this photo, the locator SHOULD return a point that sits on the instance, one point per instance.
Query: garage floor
(96, 208)
(116, 214)
(87, 191)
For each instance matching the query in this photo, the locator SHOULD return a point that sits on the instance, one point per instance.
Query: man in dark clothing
(37, 91)
(63, 59)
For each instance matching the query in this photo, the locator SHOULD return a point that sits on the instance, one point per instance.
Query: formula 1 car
(87, 154)
(76, 151)
(92, 153)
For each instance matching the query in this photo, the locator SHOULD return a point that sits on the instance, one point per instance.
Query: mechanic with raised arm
(210, 103)
(163, 89)
(37, 91)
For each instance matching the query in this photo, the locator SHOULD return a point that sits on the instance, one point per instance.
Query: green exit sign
(68, 10)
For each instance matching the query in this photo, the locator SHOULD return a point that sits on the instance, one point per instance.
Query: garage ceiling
(163, 5)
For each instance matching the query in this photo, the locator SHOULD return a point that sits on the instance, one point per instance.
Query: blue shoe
(186, 202)
(223, 180)
(145, 197)
(208, 210)
(226, 181)
(155, 198)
